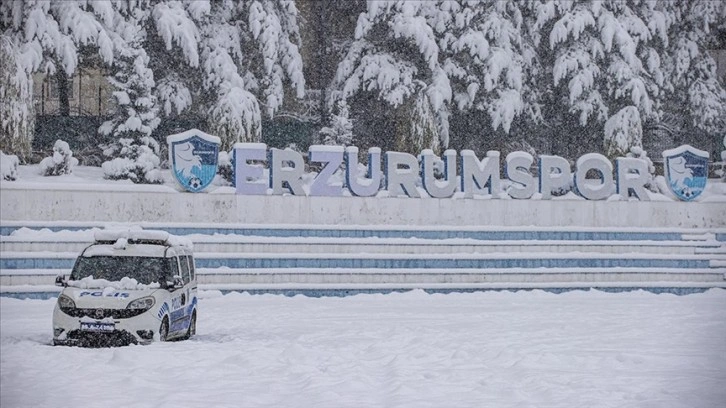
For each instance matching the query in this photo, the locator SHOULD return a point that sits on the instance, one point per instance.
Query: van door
(182, 306)
(192, 276)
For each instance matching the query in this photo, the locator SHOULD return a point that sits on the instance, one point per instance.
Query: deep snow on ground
(487, 349)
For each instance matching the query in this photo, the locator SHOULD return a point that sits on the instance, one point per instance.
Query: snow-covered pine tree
(486, 59)
(689, 71)
(623, 132)
(47, 31)
(396, 58)
(619, 64)
(172, 42)
(634, 77)
(44, 34)
(135, 154)
(340, 131)
(234, 110)
(607, 64)
(570, 31)
(234, 59)
(17, 124)
(466, 54)
(416, 128)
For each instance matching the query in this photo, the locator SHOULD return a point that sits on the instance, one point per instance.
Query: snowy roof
(131, 235)
(122, 237)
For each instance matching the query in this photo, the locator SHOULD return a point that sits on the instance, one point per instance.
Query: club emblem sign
(193, 156)
(686, 171)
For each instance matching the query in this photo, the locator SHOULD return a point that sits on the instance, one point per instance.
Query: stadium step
(244, 244)
(261, 257)
(226, 278)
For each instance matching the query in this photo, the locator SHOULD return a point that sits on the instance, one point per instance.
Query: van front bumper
(69, 330)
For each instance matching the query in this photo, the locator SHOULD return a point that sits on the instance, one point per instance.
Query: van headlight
(64, 302)
(144, 303)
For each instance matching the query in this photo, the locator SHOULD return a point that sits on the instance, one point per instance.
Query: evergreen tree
(340, 132)
(425, 58)
(135, 152)
(234, 59)
(689, 71)
(44, 36)
(605, 67)
(574, 72)
(50, 31)
(395, 56)
(16, 109)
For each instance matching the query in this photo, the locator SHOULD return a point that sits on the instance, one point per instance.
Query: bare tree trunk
(322, 53)
(64, 104)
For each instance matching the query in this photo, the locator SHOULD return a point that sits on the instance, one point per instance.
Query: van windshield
(145, 270)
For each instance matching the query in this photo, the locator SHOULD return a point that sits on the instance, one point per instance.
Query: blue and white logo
(193, 157)
(686, 171)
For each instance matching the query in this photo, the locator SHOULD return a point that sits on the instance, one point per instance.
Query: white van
(128, 287)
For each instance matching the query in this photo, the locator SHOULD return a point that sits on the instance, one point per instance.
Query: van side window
(184, 269)
(173, 269)
(190, 259)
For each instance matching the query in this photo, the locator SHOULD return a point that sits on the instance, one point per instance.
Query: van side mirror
(175, 284)
(60, 280)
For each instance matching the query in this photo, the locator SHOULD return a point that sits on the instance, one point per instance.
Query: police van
(128, 287)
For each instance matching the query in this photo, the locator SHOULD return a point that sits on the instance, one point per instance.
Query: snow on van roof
(142, 250)
(122, 237)
(131, 235)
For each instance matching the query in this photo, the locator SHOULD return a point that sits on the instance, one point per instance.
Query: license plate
(97, 327)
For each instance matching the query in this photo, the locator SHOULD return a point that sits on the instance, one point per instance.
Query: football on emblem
(195, 183)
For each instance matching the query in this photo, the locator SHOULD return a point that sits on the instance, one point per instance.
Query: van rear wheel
(192, 329)
(164, 329)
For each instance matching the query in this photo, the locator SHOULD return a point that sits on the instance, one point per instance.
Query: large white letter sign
(632, 177)
(282, 176)
(589, 190)
(554, 174)
(480, 176)
(439, 188)
(372, 183)
(332, 158)
(248, 176)
(401, 174)
(516, 167)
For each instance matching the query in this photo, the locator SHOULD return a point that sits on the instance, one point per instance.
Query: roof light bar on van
(132, 237)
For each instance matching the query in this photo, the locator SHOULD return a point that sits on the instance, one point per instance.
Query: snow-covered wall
(158, 204)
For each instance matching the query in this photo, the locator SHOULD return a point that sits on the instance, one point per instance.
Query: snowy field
(489, 349)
